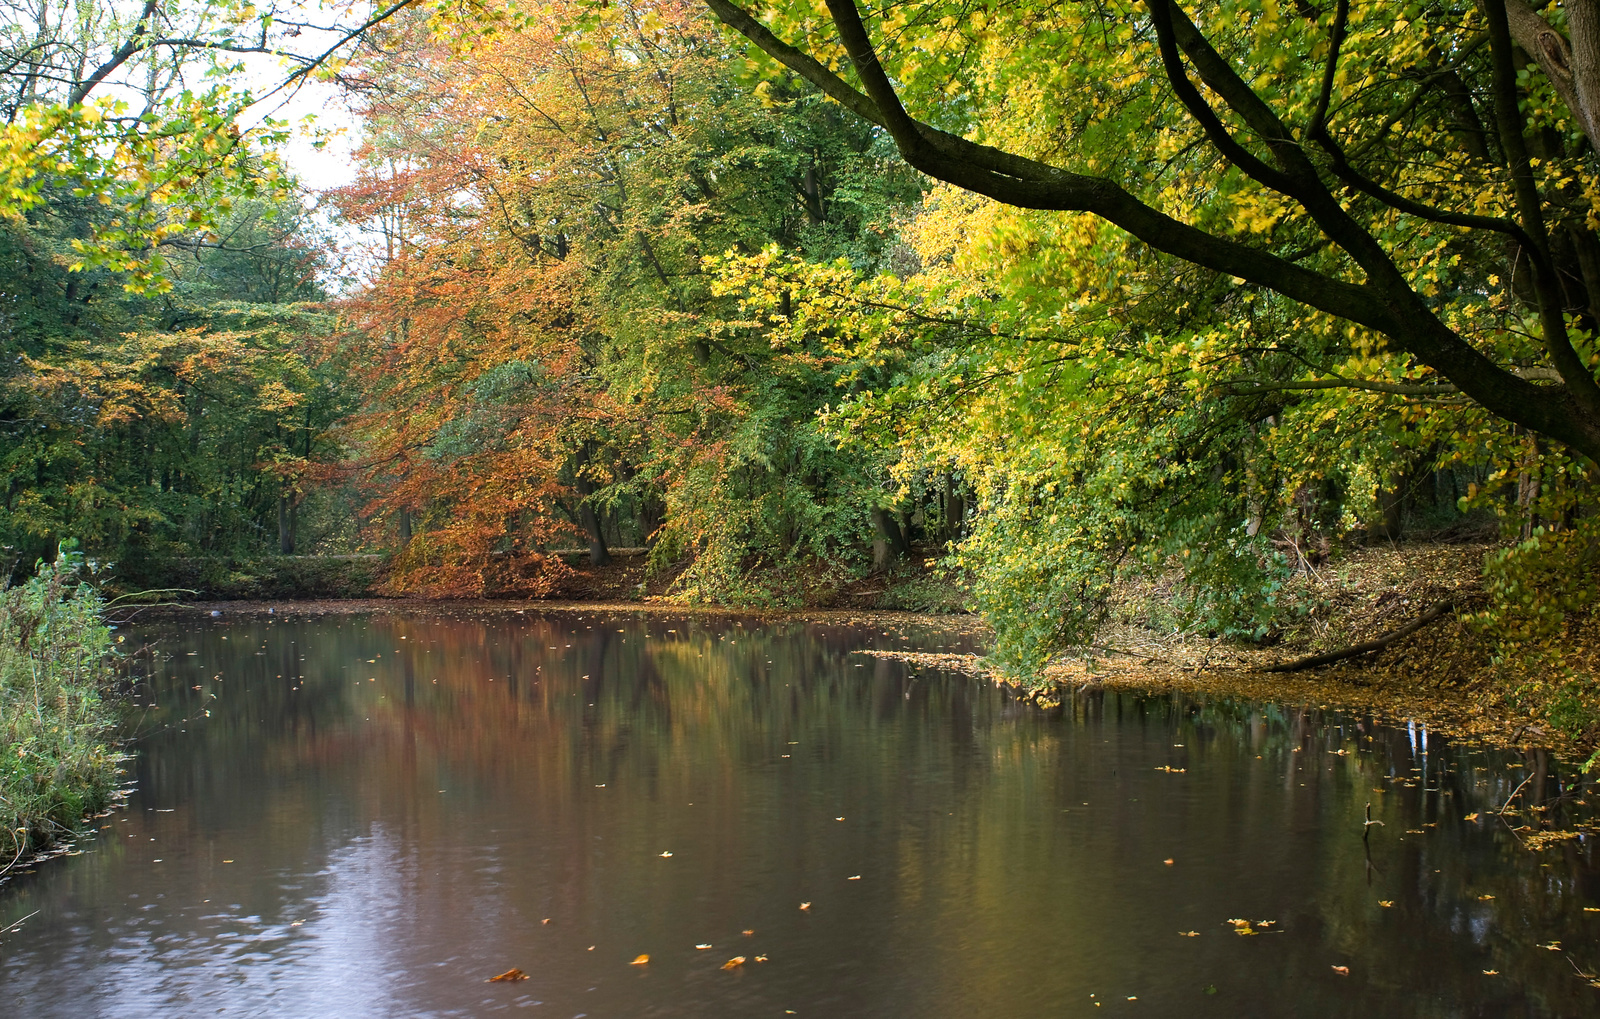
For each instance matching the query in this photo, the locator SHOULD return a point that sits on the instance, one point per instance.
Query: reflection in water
(379, 813)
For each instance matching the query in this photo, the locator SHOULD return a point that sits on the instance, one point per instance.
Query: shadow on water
(379, 813)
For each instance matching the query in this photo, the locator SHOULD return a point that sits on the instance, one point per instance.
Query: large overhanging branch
(1027, 183)
(1384, 302)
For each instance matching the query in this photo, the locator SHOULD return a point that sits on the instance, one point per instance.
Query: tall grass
(58, 764)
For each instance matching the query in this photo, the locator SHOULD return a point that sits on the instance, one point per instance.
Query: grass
(58, 763)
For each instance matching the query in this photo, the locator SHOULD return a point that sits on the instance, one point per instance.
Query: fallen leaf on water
(734, 963)
(748, 934)
(805, 905)
(1591, 909)
(1171, 770)
(666, 854)
(838, 819)
(1491, 972)
(1188, 934)
(1485, 898)
(508, 975)
(702, 947)
(1385, 903)
(1168, 861)
(853, 877)
(1554, 946)
(639, 960)
(761, 958)
(545, 920)
(1343, 971)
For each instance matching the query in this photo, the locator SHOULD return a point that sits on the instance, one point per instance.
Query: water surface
(369, 816)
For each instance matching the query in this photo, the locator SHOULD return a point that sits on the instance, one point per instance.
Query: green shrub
(57, 763)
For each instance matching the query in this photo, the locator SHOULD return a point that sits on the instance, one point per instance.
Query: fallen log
(1437, 611)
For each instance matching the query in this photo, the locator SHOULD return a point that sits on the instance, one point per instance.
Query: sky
(311, 108)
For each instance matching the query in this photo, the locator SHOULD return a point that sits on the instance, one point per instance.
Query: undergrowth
(57, 762)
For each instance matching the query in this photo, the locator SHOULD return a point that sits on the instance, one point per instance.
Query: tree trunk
(285, 526)
(888, 528)
(599, 554)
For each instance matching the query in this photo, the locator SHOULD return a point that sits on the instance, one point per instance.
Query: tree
(130, 105)
(1369, 140)
(548, 353)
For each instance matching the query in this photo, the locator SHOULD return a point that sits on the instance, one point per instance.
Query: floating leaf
(1169, 861)
(761, 958)
(805, 905)
(639, 960)
(508, 976)
(748, 934)
(1188, 934)
(734, 963)
(1385, 903)
(666, 853)
(1343, 971)
(1491, 972)
(853, 877)
(702, 947)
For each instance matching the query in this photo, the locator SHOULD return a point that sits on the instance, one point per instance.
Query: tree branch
(1437, 611)
(129, 47)
(1395, 388)
(1385, 302)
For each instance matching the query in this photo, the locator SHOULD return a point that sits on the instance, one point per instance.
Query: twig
(1366, 829)
(1435, 612)
(22, 848)
(19, 923)
(1514, 793)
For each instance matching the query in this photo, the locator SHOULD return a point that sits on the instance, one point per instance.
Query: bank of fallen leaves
(1443, 673)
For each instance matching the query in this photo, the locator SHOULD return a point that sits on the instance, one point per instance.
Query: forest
(1046, 299)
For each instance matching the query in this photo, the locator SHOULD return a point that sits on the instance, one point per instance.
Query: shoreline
(1389, 695)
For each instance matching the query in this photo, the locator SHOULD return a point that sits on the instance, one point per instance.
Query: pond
(372, 815)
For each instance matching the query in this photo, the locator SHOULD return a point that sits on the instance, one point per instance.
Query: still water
(370, 816)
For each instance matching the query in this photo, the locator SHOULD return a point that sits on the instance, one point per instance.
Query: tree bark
(889, 532)
(1572, 67)
(599, 554)
(286, 516)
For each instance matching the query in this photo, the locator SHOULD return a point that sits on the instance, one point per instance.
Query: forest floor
(1443, 672)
